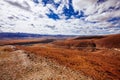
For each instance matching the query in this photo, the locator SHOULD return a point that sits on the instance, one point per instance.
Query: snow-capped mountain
(73, 17)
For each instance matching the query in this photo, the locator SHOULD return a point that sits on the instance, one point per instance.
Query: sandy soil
(20, 65)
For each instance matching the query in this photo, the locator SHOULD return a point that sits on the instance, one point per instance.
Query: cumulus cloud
(83, 4)
(94, 7)
(78, 17)
(103, 16)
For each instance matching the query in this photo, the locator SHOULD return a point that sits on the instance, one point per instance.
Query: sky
(66, 17)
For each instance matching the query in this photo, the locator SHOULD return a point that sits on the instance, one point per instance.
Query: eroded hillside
(81, 58)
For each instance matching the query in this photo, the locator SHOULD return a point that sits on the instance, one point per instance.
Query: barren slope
(100, 64)
(21, 65)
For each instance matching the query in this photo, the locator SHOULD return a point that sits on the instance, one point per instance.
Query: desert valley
(69, 58)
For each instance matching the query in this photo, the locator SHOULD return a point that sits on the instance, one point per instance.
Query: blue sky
(73, 17)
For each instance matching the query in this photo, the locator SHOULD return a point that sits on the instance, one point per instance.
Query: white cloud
(98, 11)
(56, 1)
(82, 4)
(14, 19)
(106, 5)
(103, 16)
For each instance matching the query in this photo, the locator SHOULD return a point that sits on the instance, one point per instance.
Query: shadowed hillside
(89, 37)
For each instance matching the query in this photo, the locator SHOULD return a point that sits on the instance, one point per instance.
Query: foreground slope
(100, 64)
(17, 64)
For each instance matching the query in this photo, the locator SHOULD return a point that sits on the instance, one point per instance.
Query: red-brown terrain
(90, 57)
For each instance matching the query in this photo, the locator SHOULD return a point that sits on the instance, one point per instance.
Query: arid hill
(108, 41)
(111, 41)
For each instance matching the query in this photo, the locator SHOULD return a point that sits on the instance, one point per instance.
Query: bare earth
(89, 58)
(20, 65)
